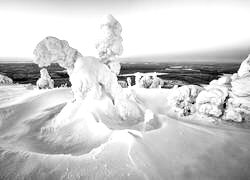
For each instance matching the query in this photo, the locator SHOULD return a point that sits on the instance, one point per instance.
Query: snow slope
(34, 145)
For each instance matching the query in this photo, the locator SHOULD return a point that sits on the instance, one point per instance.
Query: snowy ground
(34, 146)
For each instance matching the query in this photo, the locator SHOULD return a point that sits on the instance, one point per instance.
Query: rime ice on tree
(110, 43)
(90, 78)
(45, 81)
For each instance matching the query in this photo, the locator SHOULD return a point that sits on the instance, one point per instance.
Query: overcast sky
(209, 29)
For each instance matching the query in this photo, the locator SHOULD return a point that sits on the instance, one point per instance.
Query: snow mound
(182, 99)
(241, 86)
(211, 100)
(45, 81)
(148, 80)
(53, 50)
(237, 109)
(244, 67)
(5, 80)
(222, 81)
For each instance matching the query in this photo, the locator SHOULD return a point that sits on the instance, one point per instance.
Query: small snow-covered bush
(5, 80)
(183, 99)
(211, 101)
(45, 81)
(148, 81)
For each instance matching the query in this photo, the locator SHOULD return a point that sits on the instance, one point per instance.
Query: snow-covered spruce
(45, 81)
(211, 101)
(109, 45)
(90, 78)
(182, 100)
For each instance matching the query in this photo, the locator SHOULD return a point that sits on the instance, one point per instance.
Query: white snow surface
(244, 67)
(98, 130)
(45, 135)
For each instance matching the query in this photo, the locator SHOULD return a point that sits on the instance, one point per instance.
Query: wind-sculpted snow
(5, 80)
(237, 109)
(244, 67)
(47, 142)
(109, 45)
(53, 50)
(45, 81)
(238, 105)
(211, 100)
(90, 78)
(222, 81)
(182, 100)
(97, 130)
(241, 86)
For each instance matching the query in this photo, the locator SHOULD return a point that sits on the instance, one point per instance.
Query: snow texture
(182, 100)
(222, 81)
(53, 50)
(211, 100)
(45, 81)
(110, 43)
(241, 85)
(244, 67)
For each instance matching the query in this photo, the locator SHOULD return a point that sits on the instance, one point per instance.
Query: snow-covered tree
(110, 44)
(45, 81)
(90, 78)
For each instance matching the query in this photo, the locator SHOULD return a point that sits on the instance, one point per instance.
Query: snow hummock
(244, 67)
(5, 80)
(211, 100)
(45, 81)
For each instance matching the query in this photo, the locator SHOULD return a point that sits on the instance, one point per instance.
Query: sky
(152, 29)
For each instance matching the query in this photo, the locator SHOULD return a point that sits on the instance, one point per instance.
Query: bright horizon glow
(148, 29)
